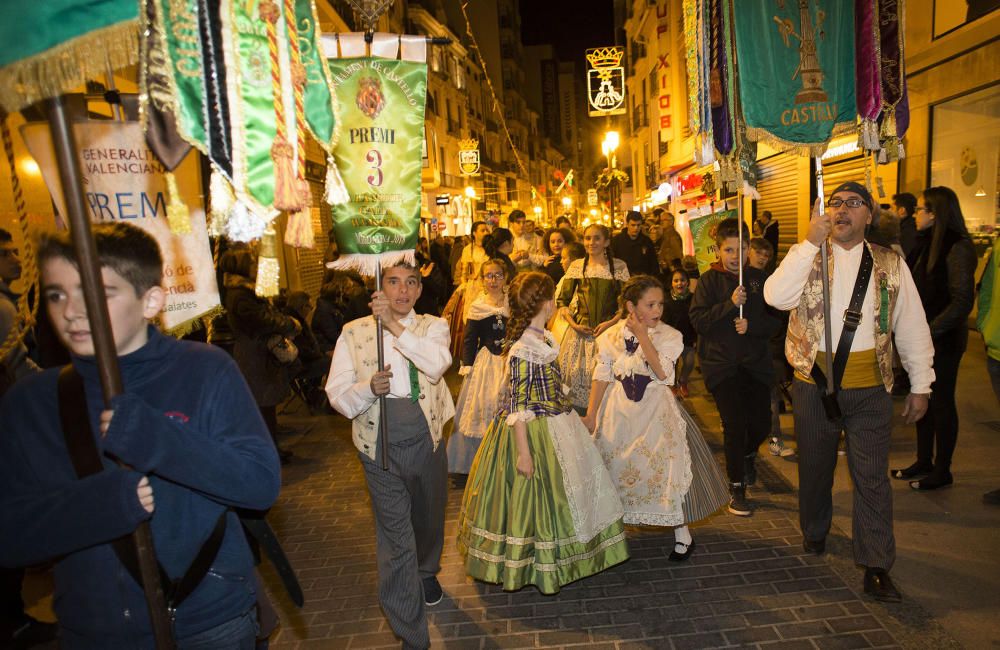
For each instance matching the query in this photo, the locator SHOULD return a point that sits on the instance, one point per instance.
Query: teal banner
(796, 70)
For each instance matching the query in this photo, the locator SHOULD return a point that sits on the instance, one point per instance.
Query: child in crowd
(539, 507)
(571, 252)
(482, 367)
(761, 256)
(191, 446)
(409, 498)
(588, 302)
(664, 471)
(553, 242)
(675, 314)
(735, 357)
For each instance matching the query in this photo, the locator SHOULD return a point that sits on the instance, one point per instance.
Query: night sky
(571, 26)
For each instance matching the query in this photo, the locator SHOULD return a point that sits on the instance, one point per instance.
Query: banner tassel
(286, 194)
(268, 270)
(336, 190)
(223, 201)
(178, 215)
(299, 229)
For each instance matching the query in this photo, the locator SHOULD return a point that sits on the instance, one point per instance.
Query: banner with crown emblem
(796, 71)
(468, 157)
(376, 208)
(605, 81)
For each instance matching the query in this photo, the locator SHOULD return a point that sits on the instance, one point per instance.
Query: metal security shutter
(778, 187)
(840, 171)
(310, 262)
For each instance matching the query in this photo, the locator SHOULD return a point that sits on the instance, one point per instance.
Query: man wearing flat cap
(873, 299)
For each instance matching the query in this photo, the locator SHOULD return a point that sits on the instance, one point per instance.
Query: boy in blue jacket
(192, 439)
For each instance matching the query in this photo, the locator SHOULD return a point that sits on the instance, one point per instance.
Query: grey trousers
(867, 424)
(409, 504)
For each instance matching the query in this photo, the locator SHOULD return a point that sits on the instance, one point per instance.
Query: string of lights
(489, 84)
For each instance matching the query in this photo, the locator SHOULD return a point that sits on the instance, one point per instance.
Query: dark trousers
(941, 420)
(11, 605)
(745, 408)
(409, 503)
(867, 424)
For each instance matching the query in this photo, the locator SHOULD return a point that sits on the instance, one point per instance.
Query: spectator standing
(672, 246)
(553, 242)
(527, 253)
(767, 228)
(676, 314)
(256, 325)
(905, 207)
(635, 248)
(944, 266)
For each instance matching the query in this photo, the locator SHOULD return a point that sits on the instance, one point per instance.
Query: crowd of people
(576, 348)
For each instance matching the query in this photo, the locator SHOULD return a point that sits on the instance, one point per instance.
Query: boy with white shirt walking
(871, 294)
(409, 499)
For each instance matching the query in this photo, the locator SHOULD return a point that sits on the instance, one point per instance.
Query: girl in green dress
(588, 302)
(539, 507)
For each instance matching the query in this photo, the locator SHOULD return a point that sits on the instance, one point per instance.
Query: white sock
(682, 536)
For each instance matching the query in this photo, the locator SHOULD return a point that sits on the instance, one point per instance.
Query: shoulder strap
(86, 460)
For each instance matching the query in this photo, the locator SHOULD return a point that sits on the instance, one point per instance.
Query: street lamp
(470, 191)
(538, 212)
(608, 146)
(567, 202)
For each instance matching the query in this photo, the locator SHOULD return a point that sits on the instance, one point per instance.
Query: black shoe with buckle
(817, 547)
(917, 470)
(680, 557)
(879, 586)
(432, 591)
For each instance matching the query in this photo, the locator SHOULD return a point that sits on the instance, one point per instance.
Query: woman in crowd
(943, 265)
(467, 287)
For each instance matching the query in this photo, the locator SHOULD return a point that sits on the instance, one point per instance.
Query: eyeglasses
(851, 203)
(494, 276)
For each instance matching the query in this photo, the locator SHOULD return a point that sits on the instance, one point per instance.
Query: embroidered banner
(796, 71)
(378, 151)
(125, 182)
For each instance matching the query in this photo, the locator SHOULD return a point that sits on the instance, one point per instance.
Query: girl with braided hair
(482, 366)
(588, 302)
(539, 507)
(664, 471)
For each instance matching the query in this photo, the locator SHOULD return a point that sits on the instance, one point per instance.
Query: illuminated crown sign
(468, 144)
(606, 81)
(468, 157)
(605, 57)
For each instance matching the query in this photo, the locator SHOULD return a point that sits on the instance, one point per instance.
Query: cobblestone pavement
(748, 584)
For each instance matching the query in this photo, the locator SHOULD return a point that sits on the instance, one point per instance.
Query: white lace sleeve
(669, 344)
(606, 356)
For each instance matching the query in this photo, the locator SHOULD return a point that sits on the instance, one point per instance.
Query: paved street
(748, 584)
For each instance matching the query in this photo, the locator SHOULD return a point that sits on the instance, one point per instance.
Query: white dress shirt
(533, 245)
(430, 354)
(909, 324)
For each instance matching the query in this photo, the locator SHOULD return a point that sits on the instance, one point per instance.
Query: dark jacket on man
(639, 253)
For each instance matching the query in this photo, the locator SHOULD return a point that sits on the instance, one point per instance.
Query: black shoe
(432, 591)
(933, 481)
(680, 557)
(992, 498)
(750, 469)
(879, 586)
(917, 470)
(816, 548)
(738, 504)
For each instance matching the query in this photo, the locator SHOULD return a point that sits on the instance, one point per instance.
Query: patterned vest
(435, 399)
(805, 324)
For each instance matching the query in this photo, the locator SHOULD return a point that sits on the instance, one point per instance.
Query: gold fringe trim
(811, 149)
(68, 65)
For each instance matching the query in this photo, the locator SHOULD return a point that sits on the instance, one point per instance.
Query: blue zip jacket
(188, 421)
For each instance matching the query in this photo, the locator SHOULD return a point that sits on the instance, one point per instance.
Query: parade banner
(796, 71)
(125, 182)
(378, 152)
(703, 229)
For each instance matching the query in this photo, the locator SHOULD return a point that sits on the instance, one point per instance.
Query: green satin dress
(564, 523)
